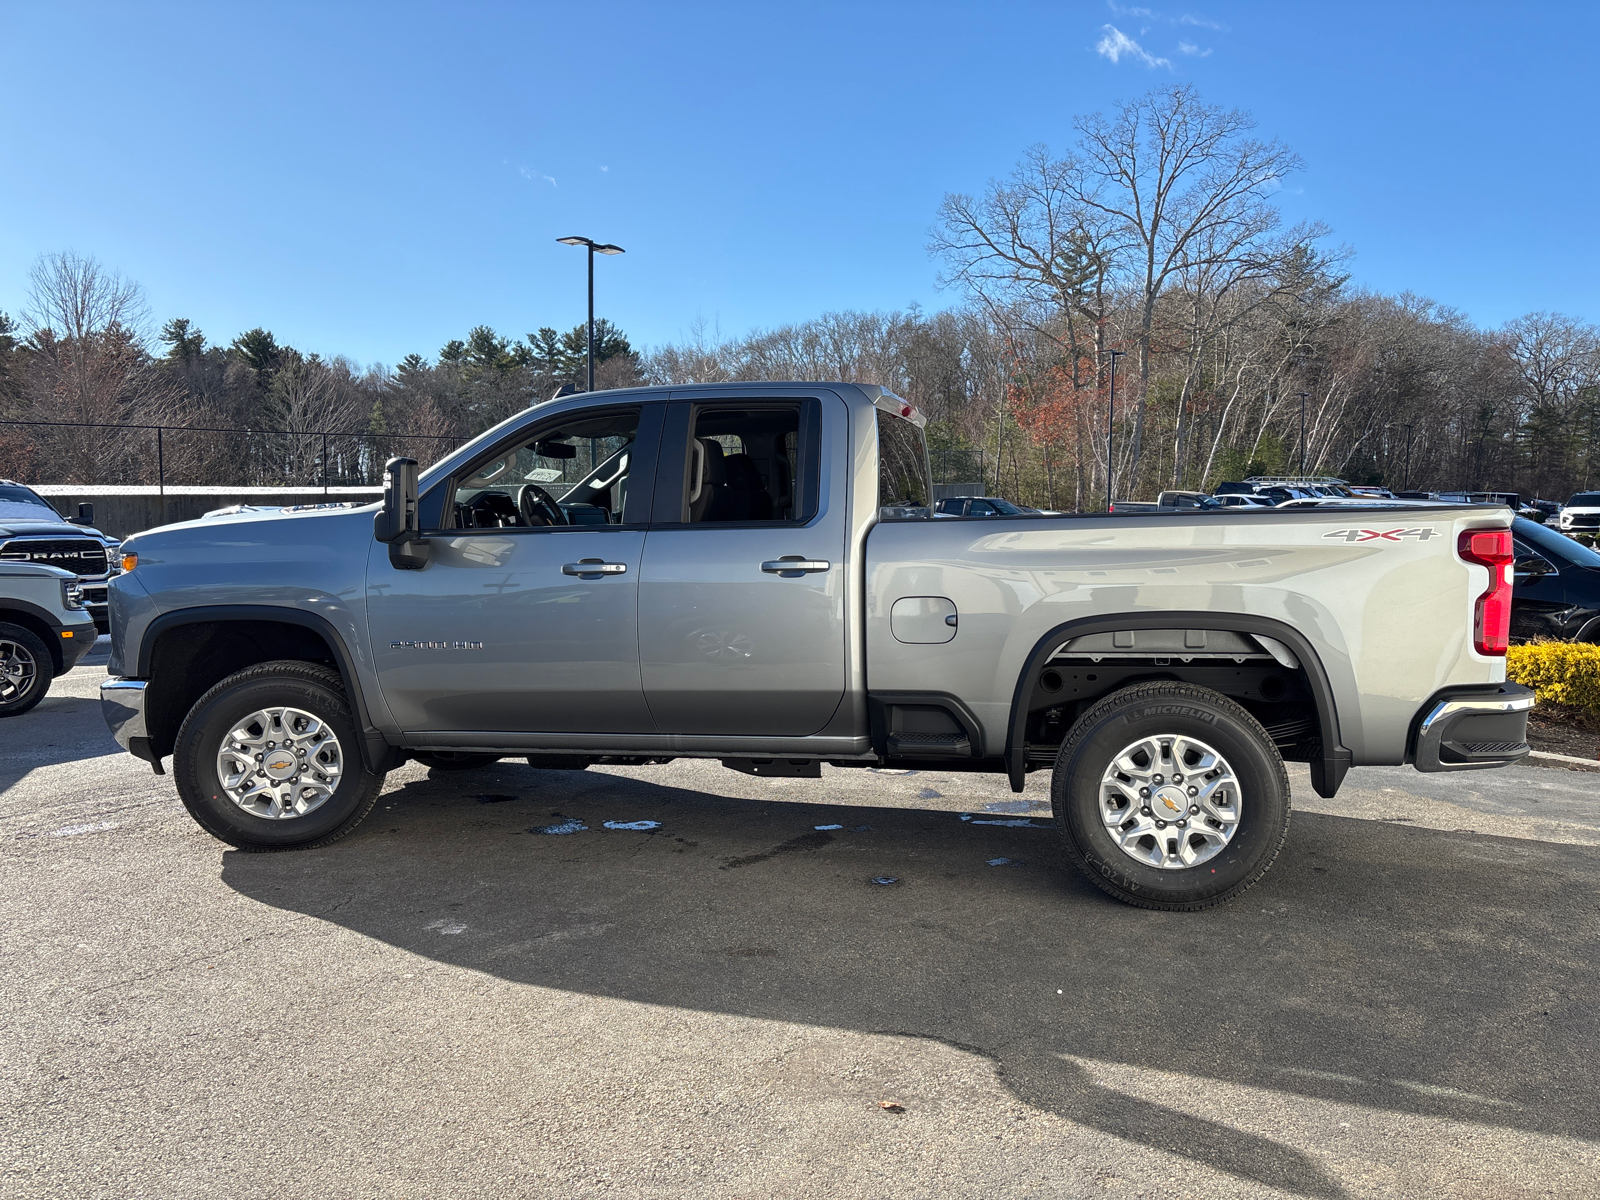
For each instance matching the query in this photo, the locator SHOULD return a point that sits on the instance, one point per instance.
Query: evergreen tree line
(80, 354)
(1152, 250)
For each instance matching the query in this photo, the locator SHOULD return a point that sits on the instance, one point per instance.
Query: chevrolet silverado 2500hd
(749, 572)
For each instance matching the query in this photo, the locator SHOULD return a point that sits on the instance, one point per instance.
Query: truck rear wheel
(1170, 796)
(270, 759)
(25, 670)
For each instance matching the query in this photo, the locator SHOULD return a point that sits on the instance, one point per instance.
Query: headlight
(71, 594)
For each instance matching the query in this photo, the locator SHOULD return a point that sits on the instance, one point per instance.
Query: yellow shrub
(1561, 672)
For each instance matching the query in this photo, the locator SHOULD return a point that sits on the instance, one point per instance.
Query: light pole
(1303, 434)
(594, 248)
(1111, 413)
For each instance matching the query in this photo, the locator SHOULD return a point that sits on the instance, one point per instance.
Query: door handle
(793, 564)
(593, 568)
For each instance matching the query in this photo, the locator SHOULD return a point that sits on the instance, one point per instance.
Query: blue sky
(376, 179)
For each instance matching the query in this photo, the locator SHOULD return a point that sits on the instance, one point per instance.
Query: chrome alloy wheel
(1170, 801)
(280, 763)
(17, 670)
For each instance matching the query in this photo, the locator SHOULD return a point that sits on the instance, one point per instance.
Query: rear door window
(748, 463)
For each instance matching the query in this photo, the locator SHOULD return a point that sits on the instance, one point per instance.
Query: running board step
(929, 745)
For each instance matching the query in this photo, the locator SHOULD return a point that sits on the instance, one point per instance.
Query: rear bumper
(1472, 728)
(122, 706)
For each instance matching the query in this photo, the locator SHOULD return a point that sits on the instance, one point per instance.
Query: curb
(1592, 764)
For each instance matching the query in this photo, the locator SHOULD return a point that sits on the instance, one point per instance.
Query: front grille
(81, 556)
(1586, 520)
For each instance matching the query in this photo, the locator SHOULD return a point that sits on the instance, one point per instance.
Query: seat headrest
(716, 468)
(742, 472)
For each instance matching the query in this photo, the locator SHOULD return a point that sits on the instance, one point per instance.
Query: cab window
(571, 474)
(904, 484)
(744, 465)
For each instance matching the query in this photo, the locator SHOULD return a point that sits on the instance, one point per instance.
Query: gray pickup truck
(750, 572)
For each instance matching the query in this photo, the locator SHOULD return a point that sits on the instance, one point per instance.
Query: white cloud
(1151, 16)
(1115, 45)
(535, 176)
(605, 168)
(1192, 50)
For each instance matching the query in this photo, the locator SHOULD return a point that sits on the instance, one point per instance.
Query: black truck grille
(81, 556)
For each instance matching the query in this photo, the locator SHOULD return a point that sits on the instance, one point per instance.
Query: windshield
(1581, 500)
(1006, 508)
(23, 504)
(1554, 545)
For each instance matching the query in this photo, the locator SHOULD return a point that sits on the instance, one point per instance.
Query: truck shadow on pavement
(1442, 974)
(62, 729)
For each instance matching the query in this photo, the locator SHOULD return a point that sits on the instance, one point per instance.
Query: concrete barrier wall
(124, 511)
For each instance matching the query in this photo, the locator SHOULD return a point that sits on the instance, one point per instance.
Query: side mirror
(1533, 566)
(85, 515)
(396, 522)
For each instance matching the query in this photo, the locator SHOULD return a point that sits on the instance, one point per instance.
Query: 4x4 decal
(1421, 533)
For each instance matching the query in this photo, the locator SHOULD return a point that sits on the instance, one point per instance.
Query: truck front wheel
(1170, 796)
(270, 759)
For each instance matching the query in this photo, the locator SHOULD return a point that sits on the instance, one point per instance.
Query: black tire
(309, 687)
(1115, 724)
(453, 760)
(25, 669)
(560, 762)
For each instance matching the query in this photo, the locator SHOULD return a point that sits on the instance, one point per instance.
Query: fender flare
(375, 748)
(1326, 773)
(46, 618)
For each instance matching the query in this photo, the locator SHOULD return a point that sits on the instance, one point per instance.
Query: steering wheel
(537, 508)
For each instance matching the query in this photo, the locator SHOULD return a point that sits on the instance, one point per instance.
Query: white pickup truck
(45, 628)
(750, 572)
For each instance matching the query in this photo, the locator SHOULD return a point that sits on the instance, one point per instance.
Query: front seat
(747, 499)
(706, 494)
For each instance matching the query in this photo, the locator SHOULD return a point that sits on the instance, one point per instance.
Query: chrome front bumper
(122, 705)
(1466, 729)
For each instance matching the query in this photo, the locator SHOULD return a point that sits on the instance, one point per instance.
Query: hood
(226, 523)
(11, 570)
(47, 528)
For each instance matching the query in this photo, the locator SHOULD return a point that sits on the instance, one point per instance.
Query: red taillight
(1491, 623)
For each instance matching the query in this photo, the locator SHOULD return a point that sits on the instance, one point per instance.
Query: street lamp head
(608, 248)
(575, 241)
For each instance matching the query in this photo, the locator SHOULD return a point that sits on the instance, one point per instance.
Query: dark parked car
(31, 531)
(979, 506)
(1555, 585)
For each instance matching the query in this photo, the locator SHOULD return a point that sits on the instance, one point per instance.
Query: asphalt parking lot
(447, 1004)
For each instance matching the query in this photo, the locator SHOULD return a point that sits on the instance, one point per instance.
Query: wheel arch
(1327, 772)
(219, 640)
(41, 624)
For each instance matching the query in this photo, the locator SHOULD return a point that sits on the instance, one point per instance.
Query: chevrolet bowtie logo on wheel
(1421, 534)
